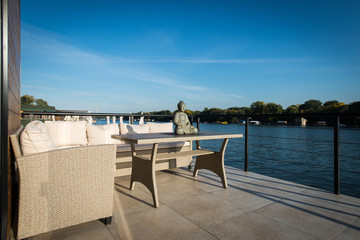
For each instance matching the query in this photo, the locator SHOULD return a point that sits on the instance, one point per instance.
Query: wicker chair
(64, 187)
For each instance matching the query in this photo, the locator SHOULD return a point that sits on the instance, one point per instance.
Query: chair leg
(106, 221)
(189, 167)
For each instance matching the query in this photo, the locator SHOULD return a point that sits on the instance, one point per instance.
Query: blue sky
(131, 56)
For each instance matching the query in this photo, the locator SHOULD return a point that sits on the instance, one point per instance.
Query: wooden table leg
(213, 162)
(143, 170)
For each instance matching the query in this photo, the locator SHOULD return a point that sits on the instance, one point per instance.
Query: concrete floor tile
(342, 206)
(203, 181)
(273, 189)
(176, 191)
(307, 218)
(252, 207)
(254, 226)
(343, 203)
(209, 181)
(127, 201)
(201, 235)
(153, 223)
(350, 233)
(166, 177)
(87, 231)
(206, 209)
(124, 181)
(237, 176)
(246, 199)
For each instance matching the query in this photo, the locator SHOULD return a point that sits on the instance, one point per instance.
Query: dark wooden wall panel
(14, 65)
(14, 98)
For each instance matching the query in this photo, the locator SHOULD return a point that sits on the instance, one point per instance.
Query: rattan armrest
(64, 187)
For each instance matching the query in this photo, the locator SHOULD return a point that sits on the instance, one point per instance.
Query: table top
(150, 138)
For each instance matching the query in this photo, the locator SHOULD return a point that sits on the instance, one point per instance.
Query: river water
(299, 154)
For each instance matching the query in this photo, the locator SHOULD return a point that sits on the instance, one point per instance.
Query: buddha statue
(181, 121)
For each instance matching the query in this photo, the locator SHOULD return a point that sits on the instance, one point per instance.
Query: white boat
(255, 122)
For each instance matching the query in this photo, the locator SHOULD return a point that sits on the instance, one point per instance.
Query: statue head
(181, 106)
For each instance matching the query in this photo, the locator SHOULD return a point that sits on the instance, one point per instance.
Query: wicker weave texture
(65, 187)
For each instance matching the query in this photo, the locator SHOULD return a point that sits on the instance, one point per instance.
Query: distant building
(34, 108)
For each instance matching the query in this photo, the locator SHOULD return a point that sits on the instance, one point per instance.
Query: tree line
(30, 103)
(260, 107)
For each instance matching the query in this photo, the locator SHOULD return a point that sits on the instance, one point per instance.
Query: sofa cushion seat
(160, 127)
(134, 128)
(35, 139)
(101, 134)
(67, 133)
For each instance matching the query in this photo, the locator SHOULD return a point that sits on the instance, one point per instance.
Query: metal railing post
(31, 117)
(246, 142)
(336, 156)
(198, 123)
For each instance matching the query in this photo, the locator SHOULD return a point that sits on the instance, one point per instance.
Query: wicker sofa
(66, 173)
(63, 187)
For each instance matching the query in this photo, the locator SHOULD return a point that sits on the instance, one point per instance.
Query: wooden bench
(178, 152)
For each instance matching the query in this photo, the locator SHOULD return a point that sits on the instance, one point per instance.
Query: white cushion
(133, 128)
(67, 133)
(160, 127)
(35, 139)
(101, 134)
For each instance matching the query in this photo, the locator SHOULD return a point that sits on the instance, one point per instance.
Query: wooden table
(143, 167)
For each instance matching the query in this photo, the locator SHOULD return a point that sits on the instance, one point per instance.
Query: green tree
(188, 112)
(273, 108)
(246, 110)
(334, 106)
(163, 112)
(41, 102)
(27, 100)
(330, 103)
(234, 120)
(354, 107)
(293, 109)
(213, 111)
(239, 110)
(257, 107)
(311, 106)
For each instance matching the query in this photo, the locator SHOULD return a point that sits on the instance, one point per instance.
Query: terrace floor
(253, 207)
